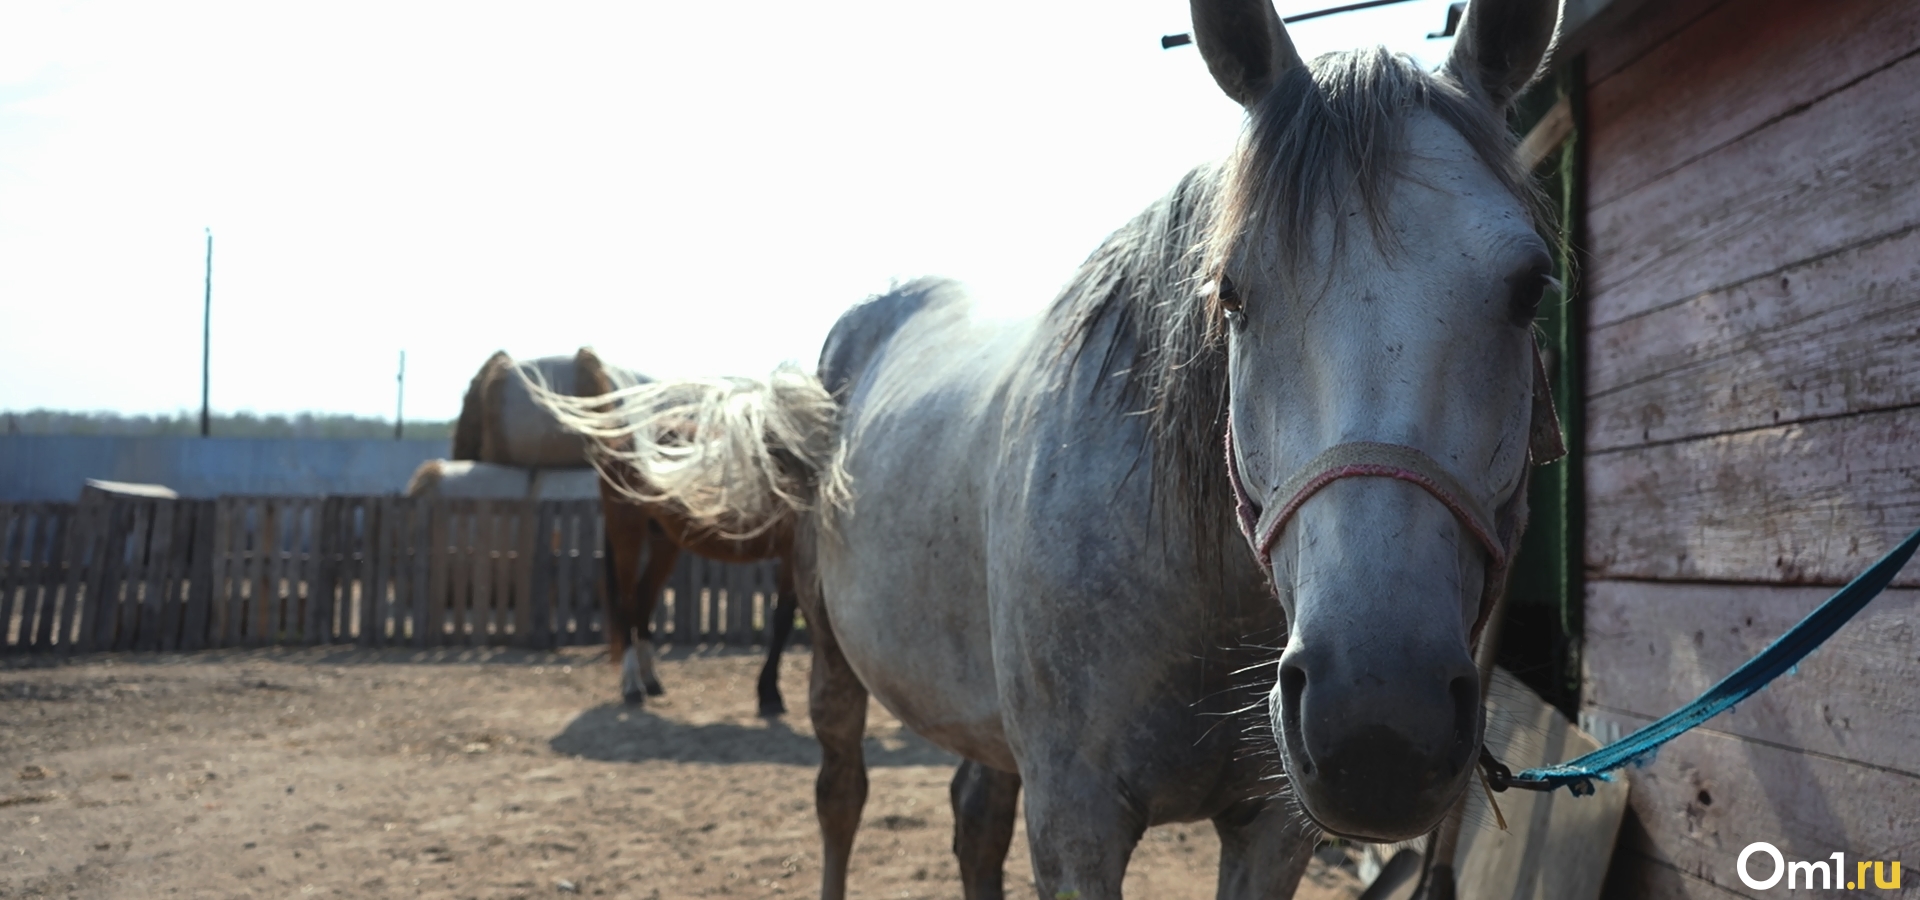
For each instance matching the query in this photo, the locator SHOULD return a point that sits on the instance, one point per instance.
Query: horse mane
(1328, 136)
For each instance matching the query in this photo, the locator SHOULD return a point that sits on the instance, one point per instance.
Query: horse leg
(1081, 830)
(837, 702)
(662, 553)
(626, 534)
(1263, 852)
(984, 800)
(770, 702)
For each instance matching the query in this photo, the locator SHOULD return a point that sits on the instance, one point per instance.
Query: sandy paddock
(464, 774)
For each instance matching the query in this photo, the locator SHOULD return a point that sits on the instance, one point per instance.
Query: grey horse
(1029, 540)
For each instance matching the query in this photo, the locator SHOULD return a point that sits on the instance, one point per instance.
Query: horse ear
(1245, 45)
(1501, 44)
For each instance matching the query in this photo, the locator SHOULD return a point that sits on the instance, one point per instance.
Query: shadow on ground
(614, 732)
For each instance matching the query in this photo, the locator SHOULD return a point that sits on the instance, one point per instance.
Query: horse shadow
(613, 732)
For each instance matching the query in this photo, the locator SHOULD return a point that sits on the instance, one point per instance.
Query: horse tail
(467, 431)
(736, 457)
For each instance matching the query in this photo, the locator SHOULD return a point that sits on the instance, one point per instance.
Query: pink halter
(1498, 533)
(1360, 459)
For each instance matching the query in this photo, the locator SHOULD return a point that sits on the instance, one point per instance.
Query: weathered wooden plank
(566, 528)
(282, 600)
(297, 525)
(593, 571)
(526, 528)
(1634, 875)
(28, 575)
(200, 580)
(324, 613)
(1836, 336)
(1651, 647)
(442, 576)
(14, 525)
(153, 577)
(1640, 32)
(222, 609)
(375, 525)
(263, 544)
(506, 546)
(53, 568)
(686, 613)
(1729, 72)
(420, 519)
(383, 522)
(1707, 795)
(588, 597)
(20, 527)
(1555, 846)
(135, 574)
(490, 607)
(110, 627)
(104, 588)
(740, 598)
(1813, 503)
(179, 575)
(1841, 172)
(675, 589)
(413, 559)
(460, 601)
(171, 598)
(80, 549)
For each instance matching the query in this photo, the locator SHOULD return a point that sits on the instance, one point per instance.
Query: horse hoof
(654, 689)
(772, 708)
(635, 698)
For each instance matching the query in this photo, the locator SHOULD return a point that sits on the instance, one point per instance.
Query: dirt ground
(466, 774)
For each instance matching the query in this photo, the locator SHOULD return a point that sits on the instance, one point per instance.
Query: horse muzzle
(1379, 751)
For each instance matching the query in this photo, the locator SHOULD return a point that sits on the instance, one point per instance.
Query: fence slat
(220, 593)
(133, 575)
(440, 576)
(417, 517)
(538, 548)
(480, 601)
(173, 591)
(14, 518)
(378, 524)
(79, 547)
(51, 571)
(153, 581)
(200, 567)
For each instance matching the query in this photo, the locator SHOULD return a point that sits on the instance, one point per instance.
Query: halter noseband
(1498, 531)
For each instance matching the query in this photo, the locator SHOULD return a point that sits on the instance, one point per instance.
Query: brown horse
(645, 539)
(507, 419)
(643, 542)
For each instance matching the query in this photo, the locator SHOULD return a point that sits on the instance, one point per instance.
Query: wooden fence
(126, 573)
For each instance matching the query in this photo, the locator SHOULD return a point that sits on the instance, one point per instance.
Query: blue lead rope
(1779, 657)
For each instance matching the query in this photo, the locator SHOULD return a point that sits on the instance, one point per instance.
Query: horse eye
(1528, 289)
(1228, 295)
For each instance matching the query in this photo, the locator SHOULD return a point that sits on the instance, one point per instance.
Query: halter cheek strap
(1498, 532)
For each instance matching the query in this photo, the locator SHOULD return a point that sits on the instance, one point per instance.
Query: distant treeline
(245, 425)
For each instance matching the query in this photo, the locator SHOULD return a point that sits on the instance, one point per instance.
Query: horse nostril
(1293, 685)
(1466, 720)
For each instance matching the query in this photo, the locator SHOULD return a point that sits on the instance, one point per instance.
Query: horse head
(1375, 263)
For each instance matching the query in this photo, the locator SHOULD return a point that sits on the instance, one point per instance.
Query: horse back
(860, 333)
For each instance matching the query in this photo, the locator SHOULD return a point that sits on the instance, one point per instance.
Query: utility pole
(400, 403)
(206, 344)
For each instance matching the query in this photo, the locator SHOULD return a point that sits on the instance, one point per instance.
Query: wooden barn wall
(1753, 423)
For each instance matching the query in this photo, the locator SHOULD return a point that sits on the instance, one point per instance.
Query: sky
(691, 188)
